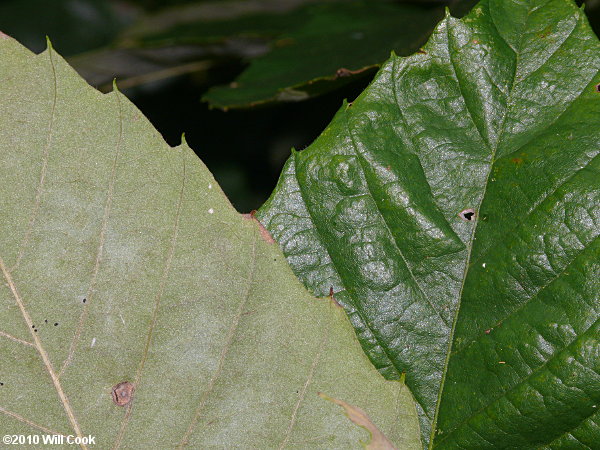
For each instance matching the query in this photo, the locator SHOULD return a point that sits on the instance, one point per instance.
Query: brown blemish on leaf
(264, 233)
(517, 161)
(343, 72)
(122, 393)
(379, 441)
(421, 51)
(332, 298)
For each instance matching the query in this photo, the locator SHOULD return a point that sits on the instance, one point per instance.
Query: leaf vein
(158, 297)
(228, 343)
(99, 252)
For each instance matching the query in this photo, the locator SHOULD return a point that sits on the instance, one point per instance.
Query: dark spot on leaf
(1, 384)
(35, 331)
(32, 326)
(45, 320)
(467, 214)
(84, 300)
(598, 87)
(55, 324)
(122, 393)
(331, 291)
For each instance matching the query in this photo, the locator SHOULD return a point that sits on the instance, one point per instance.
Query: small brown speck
(122, 393)
(343, 72)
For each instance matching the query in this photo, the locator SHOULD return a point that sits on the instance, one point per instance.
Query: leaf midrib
(494, 149)
(43, 354)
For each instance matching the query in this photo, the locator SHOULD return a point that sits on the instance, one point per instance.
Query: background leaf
(494, 320)
(335, 44)
(123, 262)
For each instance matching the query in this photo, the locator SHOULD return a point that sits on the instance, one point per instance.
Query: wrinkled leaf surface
(454, 210)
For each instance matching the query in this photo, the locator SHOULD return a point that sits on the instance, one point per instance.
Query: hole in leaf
(467, 214)
(122, 393)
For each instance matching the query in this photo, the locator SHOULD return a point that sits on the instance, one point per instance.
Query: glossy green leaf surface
(122, 262)
(335, 44)
(454, 208)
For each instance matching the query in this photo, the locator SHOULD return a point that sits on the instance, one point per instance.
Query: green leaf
(493, 320)
(138, 307)
(338, 43)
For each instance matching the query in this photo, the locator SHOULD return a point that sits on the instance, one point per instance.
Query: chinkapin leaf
(337, 43)
(453, 209)
(138, 307)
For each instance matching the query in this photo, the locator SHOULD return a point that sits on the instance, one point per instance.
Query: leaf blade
(137, 269)
(479, 111)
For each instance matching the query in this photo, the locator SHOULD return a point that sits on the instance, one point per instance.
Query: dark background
(244, 149)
